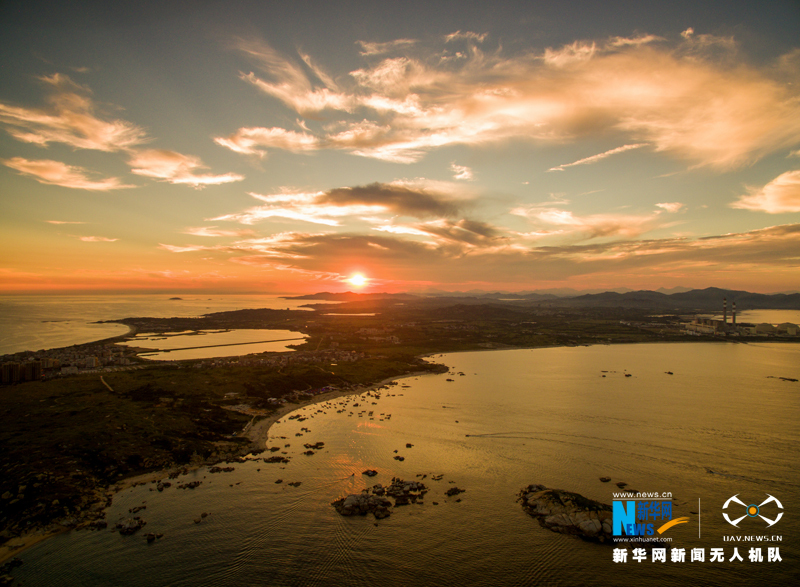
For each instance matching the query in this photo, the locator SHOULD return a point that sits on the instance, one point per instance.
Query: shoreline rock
(566, 512)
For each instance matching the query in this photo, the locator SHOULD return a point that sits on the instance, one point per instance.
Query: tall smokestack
(725, 310)
(734, 313)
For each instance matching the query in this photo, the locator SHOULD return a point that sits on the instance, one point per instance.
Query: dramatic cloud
(780, 195)
(70, 118)
(395, 197)
(401, 198)
(463, 251)
(694, 100)
(176, 168)
(598, 157)
(51, 172)
(467, 235)
(465, 232)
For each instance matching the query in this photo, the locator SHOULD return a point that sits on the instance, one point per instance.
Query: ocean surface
(43, 322)
(722, 424)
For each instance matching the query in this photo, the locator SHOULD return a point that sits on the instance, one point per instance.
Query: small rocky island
(374, 499)
(567, 513)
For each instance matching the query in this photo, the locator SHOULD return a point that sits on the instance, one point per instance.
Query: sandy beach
(257, 433)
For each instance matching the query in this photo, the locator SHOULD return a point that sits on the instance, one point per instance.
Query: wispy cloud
(779, 196)
(593, 225)
(97, 239)
(288, 81)
(51, 172)
(248, 140)
(671, 206)
(598, 157)
(368, 48)
(468, 35)
(640, 40)
(213, 231)
(64, 222)
(176, 168)
(694, 100)
(70, 118)
(186, 249)
(461, 172)
(572, 54)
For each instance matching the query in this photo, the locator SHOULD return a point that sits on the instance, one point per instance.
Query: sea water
(40, 322)
(703, 421)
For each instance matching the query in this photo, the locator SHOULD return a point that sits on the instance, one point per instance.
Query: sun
(358, 280)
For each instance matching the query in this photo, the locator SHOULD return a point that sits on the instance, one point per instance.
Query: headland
(73, 440)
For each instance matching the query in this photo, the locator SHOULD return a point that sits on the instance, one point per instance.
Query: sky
(296, 147)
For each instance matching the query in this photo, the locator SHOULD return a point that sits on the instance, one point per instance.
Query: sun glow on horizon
(358, 280)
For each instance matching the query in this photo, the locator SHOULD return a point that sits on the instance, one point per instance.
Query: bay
(704, 421)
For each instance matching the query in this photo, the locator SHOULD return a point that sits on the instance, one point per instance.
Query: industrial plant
(702, 326)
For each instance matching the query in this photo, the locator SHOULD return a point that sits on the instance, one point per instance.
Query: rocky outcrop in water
(567, 512)
(276, 460)
(216, 469)
(130, 526)
(375, 500)
(190, 485)
(363, 504)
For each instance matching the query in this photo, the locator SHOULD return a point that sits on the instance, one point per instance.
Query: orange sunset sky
(279, 147)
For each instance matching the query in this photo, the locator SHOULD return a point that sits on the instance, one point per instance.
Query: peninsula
(70, 439)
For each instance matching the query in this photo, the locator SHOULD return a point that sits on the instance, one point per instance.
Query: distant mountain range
(676, 299)
(709, 299)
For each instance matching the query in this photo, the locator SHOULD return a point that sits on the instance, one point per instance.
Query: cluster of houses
(45, 364)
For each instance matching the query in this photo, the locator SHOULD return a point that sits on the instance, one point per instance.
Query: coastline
(259, 431)
(258, 434)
